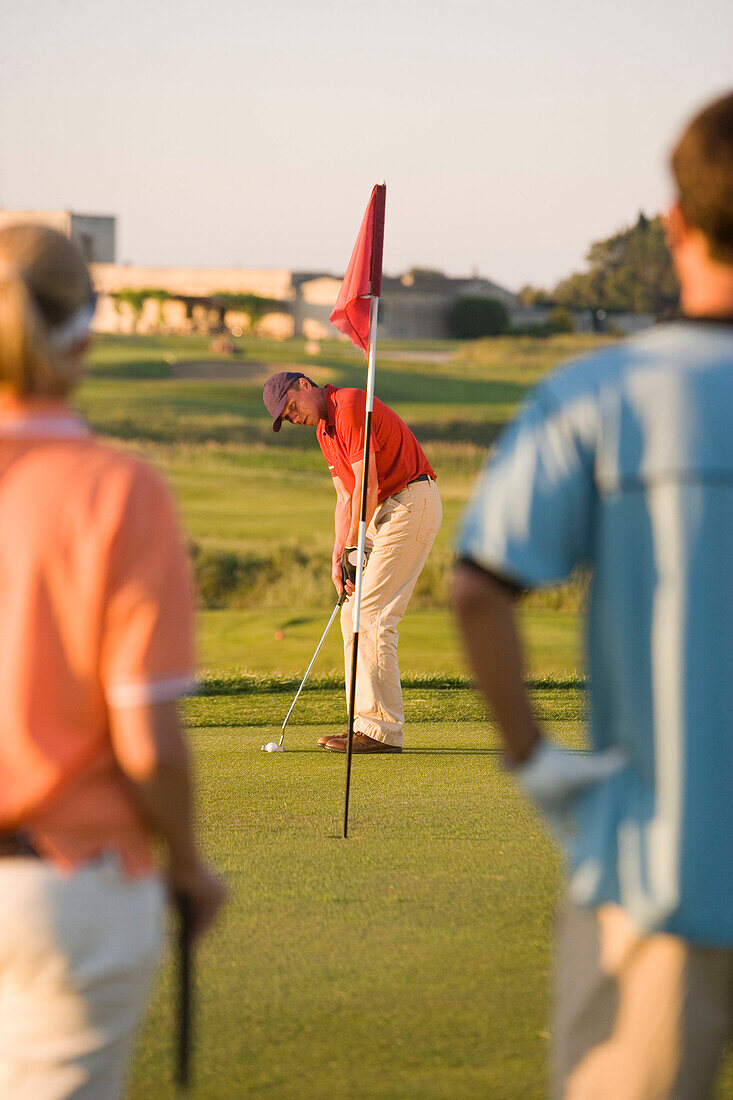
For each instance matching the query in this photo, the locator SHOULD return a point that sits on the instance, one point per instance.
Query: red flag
(363, 278)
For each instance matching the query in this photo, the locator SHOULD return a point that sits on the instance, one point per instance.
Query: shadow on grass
(405, 752)
(431, 386)
(444, 751)
(167, 410)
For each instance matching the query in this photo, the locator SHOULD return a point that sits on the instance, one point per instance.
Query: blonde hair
(43, 283)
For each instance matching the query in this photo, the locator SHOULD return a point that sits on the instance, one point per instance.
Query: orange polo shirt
(399, 456)
(95, 613)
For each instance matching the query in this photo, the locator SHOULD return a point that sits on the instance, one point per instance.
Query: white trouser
(401, 534)
(77, 954)
(637, 1017)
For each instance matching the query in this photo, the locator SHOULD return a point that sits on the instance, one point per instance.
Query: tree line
(630, 272)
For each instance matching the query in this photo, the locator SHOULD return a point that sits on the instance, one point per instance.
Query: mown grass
(284, 639)
(463, 400)
(412, 959)
(265, 498)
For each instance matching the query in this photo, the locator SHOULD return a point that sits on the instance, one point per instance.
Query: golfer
(95, 645)
(623, 462)
(403, 516)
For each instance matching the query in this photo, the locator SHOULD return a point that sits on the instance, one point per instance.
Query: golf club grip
(184, 909)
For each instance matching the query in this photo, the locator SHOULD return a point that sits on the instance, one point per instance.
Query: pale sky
(250, 132)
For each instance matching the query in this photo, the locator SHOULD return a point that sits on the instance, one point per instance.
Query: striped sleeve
(530, 517)
(147, 650)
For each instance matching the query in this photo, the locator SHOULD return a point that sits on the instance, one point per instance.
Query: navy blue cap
(275, 394)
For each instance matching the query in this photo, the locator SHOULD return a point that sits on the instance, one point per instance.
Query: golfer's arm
(372, 494)
(149, 747)
(485, 612)
(341, 519)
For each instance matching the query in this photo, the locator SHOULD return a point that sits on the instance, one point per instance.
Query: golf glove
(553, 777)
(349, 558)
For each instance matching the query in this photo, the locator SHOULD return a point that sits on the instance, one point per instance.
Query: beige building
(194, 300)
(282, 303)
(94, 233)
(415, 306)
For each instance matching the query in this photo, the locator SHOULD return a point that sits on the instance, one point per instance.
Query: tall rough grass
(294, 576)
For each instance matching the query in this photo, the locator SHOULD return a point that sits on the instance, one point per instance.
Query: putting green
(413, 958)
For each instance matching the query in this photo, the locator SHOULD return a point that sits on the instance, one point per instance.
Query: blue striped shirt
(623, 461)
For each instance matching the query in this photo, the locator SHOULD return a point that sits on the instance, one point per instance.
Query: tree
(560, 320)
(161, 297)
(254, 306)
(630, 272)
(535, 296)
(137, 298)
(134, 299)
(472, 317)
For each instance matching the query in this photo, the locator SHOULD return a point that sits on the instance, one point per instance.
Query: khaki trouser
(637, 1017)
(77, 954)
(401, 533)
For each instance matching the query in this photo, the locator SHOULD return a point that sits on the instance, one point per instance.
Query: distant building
(414, 306)
(94, 233)
(197, 299)
(194, 299)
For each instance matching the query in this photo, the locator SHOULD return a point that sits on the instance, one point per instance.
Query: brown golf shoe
(360, 743)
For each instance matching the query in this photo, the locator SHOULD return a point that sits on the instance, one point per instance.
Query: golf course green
(412, 959)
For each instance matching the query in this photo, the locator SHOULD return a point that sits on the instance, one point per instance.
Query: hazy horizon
(510, 138)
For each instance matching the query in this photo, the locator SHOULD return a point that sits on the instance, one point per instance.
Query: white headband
(65, 336)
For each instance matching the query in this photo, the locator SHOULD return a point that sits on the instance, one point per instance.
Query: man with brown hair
(702, 164)
(623, 463)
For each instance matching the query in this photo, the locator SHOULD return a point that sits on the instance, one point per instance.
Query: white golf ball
(272, 746)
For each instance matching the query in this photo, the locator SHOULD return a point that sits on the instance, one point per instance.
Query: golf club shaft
(185, 961)
(310, 666)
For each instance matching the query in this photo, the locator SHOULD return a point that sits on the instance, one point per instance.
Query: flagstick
(373, 309)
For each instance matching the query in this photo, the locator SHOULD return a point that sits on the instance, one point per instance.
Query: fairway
(278, 640)
(411, 960)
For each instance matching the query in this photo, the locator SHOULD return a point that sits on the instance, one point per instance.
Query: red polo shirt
(400, 458)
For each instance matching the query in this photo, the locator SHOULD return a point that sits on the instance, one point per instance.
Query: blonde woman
(95, 649)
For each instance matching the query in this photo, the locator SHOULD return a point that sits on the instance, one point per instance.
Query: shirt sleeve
(529, 519)
(147, 648)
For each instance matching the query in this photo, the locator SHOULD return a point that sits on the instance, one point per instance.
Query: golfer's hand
(349, 567)
(552, 777)
(205, 891)
(337, 577)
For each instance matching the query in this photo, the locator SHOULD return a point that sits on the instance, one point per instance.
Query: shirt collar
(38, 418)
(330, 427)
